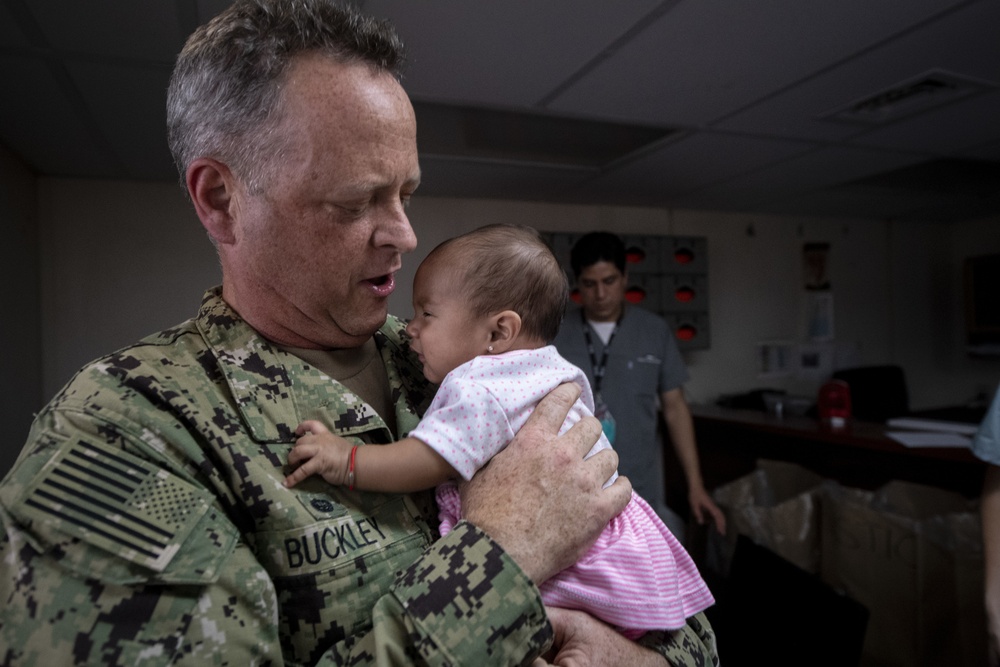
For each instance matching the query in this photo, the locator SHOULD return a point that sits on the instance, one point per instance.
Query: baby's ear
(506, 327)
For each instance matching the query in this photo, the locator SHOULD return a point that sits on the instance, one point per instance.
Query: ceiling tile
(502, 54)
(706, 59)
(965, 42)
(44, 128)
(448, 177)
(954, 209)
(146, 30)
(822, 168)
(987, 152)
(693, 162)
(742, 86)
(129, 106)
(11, 35)
(948, 130)
(850, 202)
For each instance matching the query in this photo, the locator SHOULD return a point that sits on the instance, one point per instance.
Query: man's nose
(395, 230)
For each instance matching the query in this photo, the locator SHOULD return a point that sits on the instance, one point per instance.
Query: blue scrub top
(643, 361)
(986, 443)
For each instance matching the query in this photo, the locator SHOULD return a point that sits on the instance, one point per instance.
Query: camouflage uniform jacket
(146, 523)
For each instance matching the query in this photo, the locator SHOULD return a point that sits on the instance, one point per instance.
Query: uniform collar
(275, 390)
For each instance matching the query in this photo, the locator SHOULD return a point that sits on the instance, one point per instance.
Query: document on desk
(930, 439)
(933, 425)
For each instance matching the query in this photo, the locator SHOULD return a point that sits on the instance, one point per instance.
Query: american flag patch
(115, 501)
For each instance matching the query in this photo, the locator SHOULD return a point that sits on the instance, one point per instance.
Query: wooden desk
(858, 455)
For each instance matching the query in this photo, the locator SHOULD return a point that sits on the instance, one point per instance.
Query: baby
(486, 304)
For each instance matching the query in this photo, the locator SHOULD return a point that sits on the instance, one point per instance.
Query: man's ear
(506, 327)
(211, 185)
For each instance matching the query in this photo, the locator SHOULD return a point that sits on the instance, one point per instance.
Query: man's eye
(354, 208)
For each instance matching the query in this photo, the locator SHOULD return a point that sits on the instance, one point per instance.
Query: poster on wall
(775, 359)
(815, 277)
(815, 361)
(818, 297)
(819, 307)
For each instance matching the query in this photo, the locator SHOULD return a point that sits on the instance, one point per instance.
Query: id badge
(602, 412)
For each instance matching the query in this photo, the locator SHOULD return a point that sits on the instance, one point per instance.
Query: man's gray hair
(224, 98)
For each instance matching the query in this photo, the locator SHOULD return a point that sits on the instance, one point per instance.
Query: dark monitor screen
(982, 299)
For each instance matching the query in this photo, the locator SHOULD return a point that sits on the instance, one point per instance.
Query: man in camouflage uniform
(145, 521)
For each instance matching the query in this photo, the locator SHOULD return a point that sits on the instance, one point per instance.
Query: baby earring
(489, 349)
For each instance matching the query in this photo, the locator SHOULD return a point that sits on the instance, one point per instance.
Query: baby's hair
(509, 267)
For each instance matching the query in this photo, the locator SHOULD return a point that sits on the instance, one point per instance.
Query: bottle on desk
(834, 403)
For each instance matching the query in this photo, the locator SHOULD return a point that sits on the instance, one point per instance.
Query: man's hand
(993, 636)
(990, 511)
(582, 641)
(538, 498)
(702, 504)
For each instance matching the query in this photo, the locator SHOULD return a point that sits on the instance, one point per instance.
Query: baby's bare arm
(404, 466)
(318, 452)
(400, 467)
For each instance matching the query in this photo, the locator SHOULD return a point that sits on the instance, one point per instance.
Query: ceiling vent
(929, 90)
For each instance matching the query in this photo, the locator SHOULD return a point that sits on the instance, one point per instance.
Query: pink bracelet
(350, 469)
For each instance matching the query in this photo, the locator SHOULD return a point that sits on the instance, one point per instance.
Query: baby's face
(445, 333)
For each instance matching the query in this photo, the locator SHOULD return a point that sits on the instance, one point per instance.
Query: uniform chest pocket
(329, 574)
(346, 536)
(644, 375)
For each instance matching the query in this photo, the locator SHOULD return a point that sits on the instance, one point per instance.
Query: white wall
(121, 260)
(20, 326)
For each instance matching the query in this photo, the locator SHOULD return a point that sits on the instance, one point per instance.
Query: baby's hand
(317, 451)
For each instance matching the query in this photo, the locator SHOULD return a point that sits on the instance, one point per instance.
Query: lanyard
(598, 368)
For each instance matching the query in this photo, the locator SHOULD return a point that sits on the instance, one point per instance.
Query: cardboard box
(913, 556)
(776, 506)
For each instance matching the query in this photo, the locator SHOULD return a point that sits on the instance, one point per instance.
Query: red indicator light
(686, 332)
(683, 256)
(684, 294)
(635, 294)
